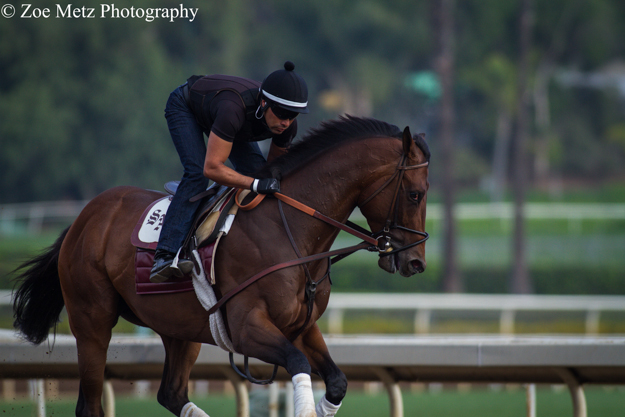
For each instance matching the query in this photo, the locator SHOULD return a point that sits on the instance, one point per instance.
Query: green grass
(607, 192)
(217, 405)
(601, 402)
(15, 250)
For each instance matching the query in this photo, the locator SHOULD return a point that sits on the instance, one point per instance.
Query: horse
(340, 165)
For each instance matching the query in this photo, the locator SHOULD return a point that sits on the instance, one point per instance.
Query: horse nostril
(418, 265)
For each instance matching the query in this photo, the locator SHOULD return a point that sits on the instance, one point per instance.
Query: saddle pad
(144, 259)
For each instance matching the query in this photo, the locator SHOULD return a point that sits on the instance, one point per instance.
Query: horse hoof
(192, 410)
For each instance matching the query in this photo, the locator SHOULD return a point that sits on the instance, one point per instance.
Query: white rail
(35, 213)
(507, 305)
(424, 304)
(391, 360)
(432, 353)
(570, 211)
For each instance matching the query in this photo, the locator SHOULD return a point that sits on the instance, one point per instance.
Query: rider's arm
(217, 153)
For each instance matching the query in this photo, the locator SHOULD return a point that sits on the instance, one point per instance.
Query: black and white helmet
(286, 89)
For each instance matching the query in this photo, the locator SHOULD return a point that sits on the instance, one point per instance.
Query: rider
(234, 113)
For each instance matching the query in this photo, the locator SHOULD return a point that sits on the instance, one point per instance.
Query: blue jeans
(188, 138)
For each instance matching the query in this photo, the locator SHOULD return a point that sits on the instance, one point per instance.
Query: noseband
(384, 236)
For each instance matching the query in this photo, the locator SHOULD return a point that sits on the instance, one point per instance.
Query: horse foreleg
(260, 338)
(313, 345)
(180, 356)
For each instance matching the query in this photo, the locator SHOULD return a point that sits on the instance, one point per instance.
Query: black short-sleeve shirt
(229, 118)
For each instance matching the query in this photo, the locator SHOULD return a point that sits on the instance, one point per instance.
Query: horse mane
(423, 145)
(329, 135)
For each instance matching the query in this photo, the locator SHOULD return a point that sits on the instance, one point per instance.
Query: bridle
(384, 236)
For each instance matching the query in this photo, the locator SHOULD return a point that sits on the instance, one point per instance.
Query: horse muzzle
(406, 264)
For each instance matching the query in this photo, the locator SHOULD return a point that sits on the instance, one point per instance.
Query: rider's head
(285, 93)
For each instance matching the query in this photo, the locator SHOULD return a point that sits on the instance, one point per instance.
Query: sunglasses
(283, 114)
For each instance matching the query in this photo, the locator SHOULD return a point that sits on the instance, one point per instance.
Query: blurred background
(522, 103)
(513, 113)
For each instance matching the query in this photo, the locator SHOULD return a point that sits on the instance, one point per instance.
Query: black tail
(39, 301)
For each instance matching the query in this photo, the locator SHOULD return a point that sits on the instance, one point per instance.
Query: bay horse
(343, 164)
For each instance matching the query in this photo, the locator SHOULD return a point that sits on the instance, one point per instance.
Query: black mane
(423, 145)
(329, 135)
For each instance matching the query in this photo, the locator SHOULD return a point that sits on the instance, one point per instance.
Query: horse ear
(407, 141)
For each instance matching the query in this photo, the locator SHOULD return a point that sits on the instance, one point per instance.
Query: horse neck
(333, 183)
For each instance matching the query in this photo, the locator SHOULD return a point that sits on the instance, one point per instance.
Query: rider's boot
(163, 269)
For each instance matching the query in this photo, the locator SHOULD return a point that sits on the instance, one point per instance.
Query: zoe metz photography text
(103, 11)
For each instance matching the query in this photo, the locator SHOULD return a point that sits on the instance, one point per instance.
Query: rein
(370, 242)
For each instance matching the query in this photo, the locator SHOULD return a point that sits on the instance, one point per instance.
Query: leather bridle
(385, 248)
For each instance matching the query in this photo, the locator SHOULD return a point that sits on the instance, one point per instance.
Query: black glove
(266, 186)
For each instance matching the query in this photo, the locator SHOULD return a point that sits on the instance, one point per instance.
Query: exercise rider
(235, 113)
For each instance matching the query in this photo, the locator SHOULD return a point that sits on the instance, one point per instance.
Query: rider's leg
(188, 138)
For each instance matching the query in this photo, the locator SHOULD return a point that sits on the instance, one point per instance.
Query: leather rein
(371, 241)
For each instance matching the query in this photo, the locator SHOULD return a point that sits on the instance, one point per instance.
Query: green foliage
(606, 280)
(81, 108)
(81, 100)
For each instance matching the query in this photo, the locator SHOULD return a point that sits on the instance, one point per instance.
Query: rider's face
(275, 124)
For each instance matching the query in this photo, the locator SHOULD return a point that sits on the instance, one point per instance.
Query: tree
(445, 65)
(520, 280)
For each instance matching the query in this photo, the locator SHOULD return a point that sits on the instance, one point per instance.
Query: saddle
(212, 221)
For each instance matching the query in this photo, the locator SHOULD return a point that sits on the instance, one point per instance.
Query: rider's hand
(266, 186)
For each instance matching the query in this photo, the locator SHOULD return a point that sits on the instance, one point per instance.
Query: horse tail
(38, 301)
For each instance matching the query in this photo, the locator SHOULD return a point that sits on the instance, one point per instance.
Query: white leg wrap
(192, 410)
(326, 409)
(303, 399)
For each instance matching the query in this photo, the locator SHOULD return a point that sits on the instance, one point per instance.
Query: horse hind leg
(180, 356)
(93, 335)
(92, 309)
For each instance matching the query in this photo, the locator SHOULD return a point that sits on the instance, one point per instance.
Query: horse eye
(414, 196)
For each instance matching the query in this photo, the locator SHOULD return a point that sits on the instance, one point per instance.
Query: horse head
(389, 186)
(394, 204)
